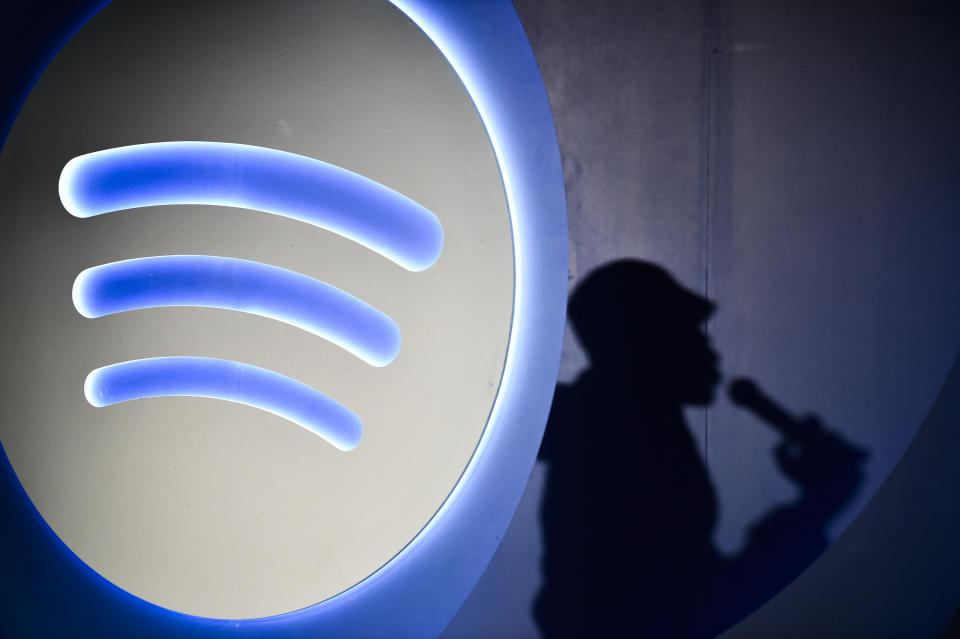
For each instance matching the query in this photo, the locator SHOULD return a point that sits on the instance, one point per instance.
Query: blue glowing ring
(240, 285)
(418, 591)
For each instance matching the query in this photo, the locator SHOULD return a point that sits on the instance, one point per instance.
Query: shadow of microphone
(799, 433)
(746, 394)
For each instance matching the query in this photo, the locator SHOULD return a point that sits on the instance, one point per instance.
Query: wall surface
(796, 164)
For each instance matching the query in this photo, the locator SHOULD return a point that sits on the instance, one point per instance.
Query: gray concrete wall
(796, 163)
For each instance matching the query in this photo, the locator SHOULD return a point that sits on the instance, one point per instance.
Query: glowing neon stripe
(240, 285)
(258, 178)
(230, 381)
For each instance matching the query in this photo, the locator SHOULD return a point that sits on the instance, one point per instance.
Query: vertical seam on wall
(706, 158)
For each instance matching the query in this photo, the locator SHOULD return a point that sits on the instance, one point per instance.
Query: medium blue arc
(253, 177)
(240, 285)
(230, 381)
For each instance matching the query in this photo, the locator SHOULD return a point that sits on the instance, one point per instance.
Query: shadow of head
(643, 329)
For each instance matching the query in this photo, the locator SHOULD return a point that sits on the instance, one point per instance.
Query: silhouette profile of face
(646, 331)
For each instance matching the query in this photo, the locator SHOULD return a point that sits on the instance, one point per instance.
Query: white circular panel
(204, 506)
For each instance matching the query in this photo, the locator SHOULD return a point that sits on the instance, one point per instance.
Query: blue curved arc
(240, 285)
(259, 178)
(230, 381)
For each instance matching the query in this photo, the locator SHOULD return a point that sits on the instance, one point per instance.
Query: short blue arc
(240, 285)
(253, 177)
(230, 381)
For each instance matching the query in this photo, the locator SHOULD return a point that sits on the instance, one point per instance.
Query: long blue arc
(258, 178)
(240, 285)
(227, 380)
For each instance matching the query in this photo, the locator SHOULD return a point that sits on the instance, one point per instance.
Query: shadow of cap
(627, 302)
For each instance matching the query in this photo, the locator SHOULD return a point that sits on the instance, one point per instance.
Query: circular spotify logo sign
(263, 278)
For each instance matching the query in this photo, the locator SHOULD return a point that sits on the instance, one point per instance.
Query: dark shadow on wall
(630, 509)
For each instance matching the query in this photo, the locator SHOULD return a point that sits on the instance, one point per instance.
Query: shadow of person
(629, 507)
